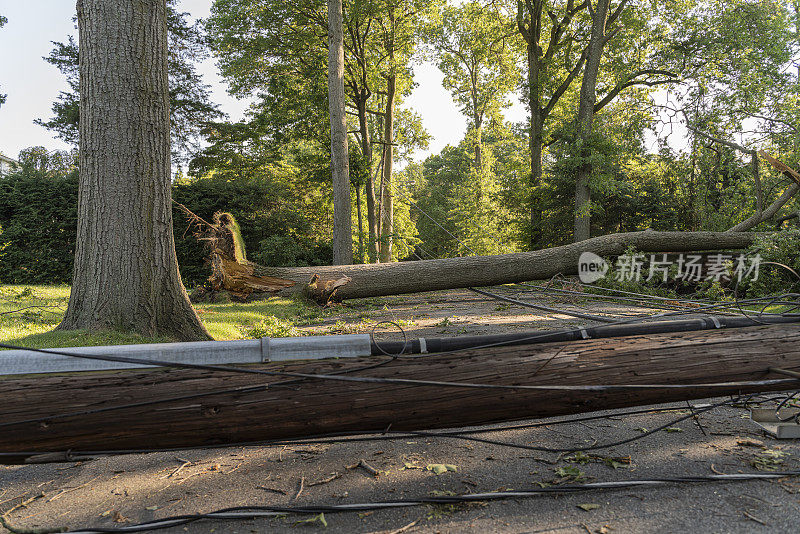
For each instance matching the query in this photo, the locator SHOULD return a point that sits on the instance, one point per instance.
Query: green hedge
(279, 216)
(38, 223)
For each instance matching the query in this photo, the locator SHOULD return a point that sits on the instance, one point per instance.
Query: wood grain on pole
(317, 406)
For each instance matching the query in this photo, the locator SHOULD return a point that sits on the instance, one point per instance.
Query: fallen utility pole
(223, 407)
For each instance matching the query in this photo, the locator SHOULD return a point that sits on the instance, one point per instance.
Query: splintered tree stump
(230, 270)
(238, 278)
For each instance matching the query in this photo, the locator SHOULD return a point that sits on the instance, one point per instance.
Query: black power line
(258, 512)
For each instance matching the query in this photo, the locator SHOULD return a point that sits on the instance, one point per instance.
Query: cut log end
(324, 291)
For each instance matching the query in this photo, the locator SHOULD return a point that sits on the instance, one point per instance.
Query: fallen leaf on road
(438, 469)
(316, 520)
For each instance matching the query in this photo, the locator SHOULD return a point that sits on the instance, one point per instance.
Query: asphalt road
(122, 490)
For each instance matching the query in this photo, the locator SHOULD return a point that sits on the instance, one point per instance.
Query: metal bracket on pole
(279, 349)
(265, 349)
(772, 424)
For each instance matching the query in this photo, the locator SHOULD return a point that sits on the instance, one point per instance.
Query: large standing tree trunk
(366, 152)
(126, 273)
(387, 213)
(588, 98)
(340, 167)
(535, 140)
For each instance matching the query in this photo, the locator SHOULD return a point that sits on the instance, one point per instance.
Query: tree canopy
(191, 108)
(628, 106)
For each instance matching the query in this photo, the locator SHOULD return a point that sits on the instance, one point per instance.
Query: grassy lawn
(28, 315)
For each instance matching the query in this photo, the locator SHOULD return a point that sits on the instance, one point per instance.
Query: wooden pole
(314, 406)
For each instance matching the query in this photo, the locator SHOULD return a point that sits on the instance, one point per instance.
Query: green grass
(37, 310)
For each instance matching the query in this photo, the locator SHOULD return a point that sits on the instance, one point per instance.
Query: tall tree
(631, 45)
(191, 108)
(275, 51)
(475, 50)
(340, 168)
(362, 82)
(588, 99)
(555, 56)
(126, 273)
(401, 23)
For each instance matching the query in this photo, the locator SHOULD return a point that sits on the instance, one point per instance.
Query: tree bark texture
(536, 133)
(477, 271)
(340, 165)
(126, 272)
(369, 187)
(588, 98)
(387, 200)
(318, 407)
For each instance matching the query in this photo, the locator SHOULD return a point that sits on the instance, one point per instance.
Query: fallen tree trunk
(233, 273)
(762, 215)
(319, 407)
(770, 212)
(374, 280)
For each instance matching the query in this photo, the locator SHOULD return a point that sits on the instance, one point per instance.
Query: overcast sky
(33, 85)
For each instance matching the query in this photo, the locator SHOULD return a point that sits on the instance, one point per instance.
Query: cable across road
(256, 512)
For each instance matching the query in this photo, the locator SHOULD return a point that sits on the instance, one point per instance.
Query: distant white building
(7, 165)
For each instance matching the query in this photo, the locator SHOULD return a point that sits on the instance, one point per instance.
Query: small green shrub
(280, 250)
(778, 247)
(712, 290)
(271, 326)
